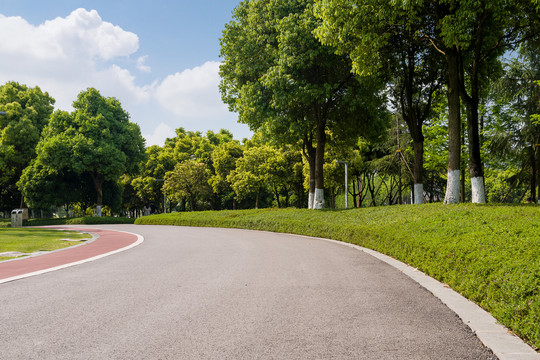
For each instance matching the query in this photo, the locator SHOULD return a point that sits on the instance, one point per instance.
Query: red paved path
(108, 241)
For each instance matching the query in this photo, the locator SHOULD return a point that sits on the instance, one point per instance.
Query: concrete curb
(493, 335)
(139, 241)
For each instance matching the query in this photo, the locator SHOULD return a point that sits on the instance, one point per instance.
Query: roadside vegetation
(488, 253)
(27, 241)
(83, 220)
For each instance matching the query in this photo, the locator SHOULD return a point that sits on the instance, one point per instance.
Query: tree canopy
(95, 140)
(283, 81)
(27, 111)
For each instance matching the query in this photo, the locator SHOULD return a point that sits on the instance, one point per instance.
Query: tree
(188, 180)
(512, 131)
(224, 159)
(27, 111)
(469, 34)
(253, 171)
(148, 183)
(283, 81)
(472, 35)
(96, 141)
(390, 36)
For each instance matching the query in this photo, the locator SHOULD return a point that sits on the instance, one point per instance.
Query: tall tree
(148, 184)
(188, 180)
(96, 140)
(472, 35)
(253, 171)
(513, 131)
(390, 37)
(224, 159)
(27, 111)
(282, 80)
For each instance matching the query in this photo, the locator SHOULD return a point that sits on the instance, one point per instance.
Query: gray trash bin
(17, 218)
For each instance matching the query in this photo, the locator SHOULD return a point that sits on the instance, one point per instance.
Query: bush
(86, 220)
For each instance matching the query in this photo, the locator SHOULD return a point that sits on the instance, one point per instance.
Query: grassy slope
(490, 254)
(32, 240)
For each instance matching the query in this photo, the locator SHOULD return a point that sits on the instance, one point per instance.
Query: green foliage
(95, 141)
(253, 170)
(27, 112)
(282, 81)
(188, 180)
(491, 257)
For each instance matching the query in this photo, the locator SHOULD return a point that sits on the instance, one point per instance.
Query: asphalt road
(199, 293)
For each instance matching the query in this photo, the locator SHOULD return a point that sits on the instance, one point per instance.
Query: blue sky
(159, 58)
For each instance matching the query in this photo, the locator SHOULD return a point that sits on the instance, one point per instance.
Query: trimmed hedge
(85, 220)
(488, 253)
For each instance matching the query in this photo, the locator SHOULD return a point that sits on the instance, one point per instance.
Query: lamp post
(346, 182)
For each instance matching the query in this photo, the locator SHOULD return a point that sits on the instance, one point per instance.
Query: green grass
(488, 253)
(32, 240)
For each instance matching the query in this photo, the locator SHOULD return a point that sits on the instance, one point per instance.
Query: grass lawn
(488, 253)
(31, 240)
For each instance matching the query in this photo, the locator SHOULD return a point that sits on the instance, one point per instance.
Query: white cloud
(160, 134)
(141, 64)
(193, 93)
(82, 34)
(64, 56)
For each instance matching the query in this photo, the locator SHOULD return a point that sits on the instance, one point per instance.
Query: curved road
(200, 293)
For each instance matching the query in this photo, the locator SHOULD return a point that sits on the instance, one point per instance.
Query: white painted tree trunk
(478, 195)
(318, 201)
(98, 210)
(418, 193)
(452, 187)
(311, 197)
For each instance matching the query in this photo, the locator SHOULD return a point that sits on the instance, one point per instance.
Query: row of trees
(380, 85)
(301, 71)
(213, 171)
(56, 158)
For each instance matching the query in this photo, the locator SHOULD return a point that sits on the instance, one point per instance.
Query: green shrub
(85, 220)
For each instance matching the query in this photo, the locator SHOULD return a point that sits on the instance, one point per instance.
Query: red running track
(108, 241)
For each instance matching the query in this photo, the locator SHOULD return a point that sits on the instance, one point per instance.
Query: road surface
(201, 293)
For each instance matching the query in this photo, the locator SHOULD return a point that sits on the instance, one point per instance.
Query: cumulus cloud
(160, 134)
(64, 56)
(141, 64)
(193, 93)
(81, 34)
(67, 55)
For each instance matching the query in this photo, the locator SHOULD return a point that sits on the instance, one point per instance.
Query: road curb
(504, 344)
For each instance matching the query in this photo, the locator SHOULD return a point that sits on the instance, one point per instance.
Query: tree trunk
(454, 128)
(257, 199)
(533, 175)
(418, 147)
(276, 194)
(98, 185)
(318, 200)
(537, 158)
(476, 171)
(310, 154)
(192, 202)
